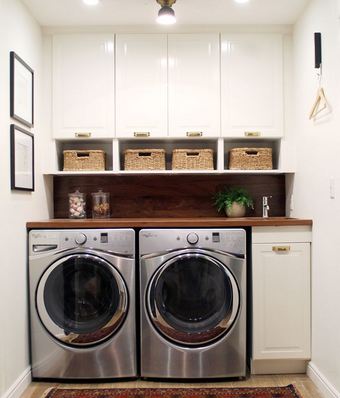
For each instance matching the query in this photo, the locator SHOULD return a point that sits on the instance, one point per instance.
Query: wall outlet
(332, 188)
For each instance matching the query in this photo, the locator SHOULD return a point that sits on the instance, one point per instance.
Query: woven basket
(192, 159)
(75, 160)
(250, 159)
(144, 159)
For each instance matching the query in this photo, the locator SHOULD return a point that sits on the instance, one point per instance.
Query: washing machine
(193, 303)
(82, 303)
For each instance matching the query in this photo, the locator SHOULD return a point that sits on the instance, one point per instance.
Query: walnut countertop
(168, 222)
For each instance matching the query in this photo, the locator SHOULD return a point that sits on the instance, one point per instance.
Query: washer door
(193, 299)
(81, 300)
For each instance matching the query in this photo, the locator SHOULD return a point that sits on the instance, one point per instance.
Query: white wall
(318, 148)
(18, 32)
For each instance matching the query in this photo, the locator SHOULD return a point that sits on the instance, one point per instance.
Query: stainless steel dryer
(193, 303)
(82, 303)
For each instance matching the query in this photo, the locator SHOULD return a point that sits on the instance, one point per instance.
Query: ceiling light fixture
(166, 15)
(241, 1)
(91, 2)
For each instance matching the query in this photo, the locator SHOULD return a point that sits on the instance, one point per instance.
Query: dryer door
(81, 300)
(193, 299)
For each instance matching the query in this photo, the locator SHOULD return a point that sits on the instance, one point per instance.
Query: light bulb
(91, 2)
(166, 16)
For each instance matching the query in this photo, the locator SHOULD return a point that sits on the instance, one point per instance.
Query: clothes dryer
(193, 303)
(82, 303)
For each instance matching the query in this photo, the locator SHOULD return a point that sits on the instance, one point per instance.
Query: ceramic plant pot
(236, 210)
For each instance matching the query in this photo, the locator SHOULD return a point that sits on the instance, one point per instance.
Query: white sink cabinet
(281, 303)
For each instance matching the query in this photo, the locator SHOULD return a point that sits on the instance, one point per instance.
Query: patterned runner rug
(253, 392)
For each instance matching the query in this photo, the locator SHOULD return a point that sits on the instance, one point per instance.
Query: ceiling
(143, 12)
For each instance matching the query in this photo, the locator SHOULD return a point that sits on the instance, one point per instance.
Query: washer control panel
(231, 240)
(118, 241)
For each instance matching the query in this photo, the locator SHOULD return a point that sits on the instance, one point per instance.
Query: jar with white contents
(77, 205)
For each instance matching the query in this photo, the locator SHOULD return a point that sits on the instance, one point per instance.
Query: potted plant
(234, 201)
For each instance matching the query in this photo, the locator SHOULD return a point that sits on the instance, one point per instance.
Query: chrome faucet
(265, 206)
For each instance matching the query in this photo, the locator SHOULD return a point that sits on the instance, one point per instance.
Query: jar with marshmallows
(77, 205)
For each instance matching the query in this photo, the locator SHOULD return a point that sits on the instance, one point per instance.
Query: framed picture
(22, 159)
(22, 90)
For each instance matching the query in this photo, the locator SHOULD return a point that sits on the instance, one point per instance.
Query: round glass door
(193, 299)
(81, 300)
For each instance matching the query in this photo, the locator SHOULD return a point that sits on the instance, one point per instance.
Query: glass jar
(77, 205)
(100, 204)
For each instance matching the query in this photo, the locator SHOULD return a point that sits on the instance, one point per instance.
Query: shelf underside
(169, 172)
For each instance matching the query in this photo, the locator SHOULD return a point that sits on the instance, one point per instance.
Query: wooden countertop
(168, 222)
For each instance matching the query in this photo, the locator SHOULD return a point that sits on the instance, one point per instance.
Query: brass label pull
(281, 249)
(82, 135)
(252, 133)
(141, 134)
(194, 134)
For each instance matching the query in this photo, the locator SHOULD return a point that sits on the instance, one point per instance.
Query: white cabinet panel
(83, 85)
(252, 85)
(194, 84)
(141, 99)
(281, 301)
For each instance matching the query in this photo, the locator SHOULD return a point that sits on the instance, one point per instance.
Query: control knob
(80, 239)
(192, 238)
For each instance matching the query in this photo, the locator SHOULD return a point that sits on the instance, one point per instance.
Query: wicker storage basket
(144, 159)
(192, 159)
(75, 160)
(250, 159)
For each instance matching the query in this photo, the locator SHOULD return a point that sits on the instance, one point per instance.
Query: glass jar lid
(100, 193)
(76, 193)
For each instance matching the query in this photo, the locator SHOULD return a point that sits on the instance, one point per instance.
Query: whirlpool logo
(148, 235)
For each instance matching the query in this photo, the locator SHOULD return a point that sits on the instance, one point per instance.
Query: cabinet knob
(252, 133)
(194, 134)
(281, 249)
(141, 134)
(83, 135)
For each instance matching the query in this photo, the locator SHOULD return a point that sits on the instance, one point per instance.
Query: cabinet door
(281, 301)
(141, 99)
(252, 85)
(83, 85)
(194, 85)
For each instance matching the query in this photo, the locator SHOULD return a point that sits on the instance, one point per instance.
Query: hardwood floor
(301, 382)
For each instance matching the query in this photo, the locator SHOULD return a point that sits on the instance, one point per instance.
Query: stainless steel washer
(82, 303)
(193, 303)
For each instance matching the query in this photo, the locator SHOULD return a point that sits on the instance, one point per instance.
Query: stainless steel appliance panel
(166, 356)
(111, 356)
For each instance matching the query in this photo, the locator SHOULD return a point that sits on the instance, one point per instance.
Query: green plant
(224, 199)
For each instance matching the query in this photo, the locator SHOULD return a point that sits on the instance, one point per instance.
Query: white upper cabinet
(252, 85)
(141, 96)
(83, 85)
(194, 85)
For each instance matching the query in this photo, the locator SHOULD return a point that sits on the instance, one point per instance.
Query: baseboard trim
(278, 366)
(20, 384)
(326, 388)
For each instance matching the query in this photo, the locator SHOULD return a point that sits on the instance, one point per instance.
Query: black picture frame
(22, 159)
(21, 90)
